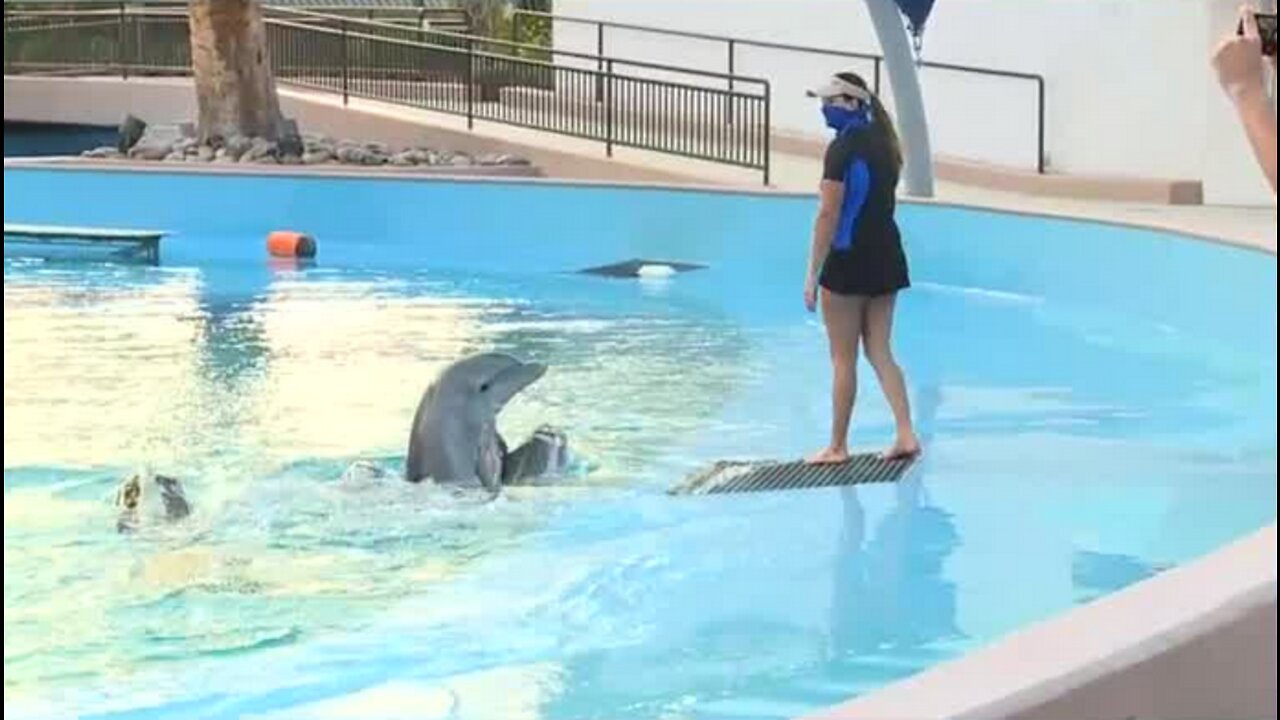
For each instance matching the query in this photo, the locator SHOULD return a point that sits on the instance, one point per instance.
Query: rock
(103, 153)
(290, 160)
(185, 146)
(461, 160)
(317, 157)
(377, 148)
(157, 142)
(406, 158)
(149, 152)
(260, 150)
(291, 142)
(374, 158)
(314, 144)
(423, 156)
(131, 131)
(501, 159)
(237, 146)
(205, 153)
(264, 160)
(175, 157)
(351, 155)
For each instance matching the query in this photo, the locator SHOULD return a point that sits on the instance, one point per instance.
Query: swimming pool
(1098, 403)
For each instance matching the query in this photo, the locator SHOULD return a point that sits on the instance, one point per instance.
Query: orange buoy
(289, 244)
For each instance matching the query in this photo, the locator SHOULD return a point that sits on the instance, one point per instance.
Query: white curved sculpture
(908, 99)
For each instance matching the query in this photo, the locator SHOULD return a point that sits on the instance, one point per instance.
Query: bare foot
(904, 448)
(830, 456)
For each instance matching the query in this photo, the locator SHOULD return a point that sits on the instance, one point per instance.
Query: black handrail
(733, 43)
(600, 60)
(687, 119)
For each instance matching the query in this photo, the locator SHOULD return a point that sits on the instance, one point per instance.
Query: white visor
(837, 87)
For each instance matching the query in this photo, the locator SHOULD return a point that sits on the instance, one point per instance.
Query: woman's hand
(1239, 61)
(811, 294)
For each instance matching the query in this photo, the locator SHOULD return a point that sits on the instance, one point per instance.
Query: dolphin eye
(484, 388)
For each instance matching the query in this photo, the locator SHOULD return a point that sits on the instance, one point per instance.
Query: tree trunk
(235, 87)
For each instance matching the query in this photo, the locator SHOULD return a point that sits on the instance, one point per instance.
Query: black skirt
(874, 266)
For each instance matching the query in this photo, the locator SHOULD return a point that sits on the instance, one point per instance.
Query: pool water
(22, 139)
(1073, 448)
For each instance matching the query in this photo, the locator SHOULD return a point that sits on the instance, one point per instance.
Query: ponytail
(885, 121)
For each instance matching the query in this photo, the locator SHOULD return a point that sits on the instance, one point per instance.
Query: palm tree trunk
(235, 87)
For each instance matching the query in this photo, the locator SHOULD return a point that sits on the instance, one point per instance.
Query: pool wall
(1224, 295)
(1193, 643)
(1227, 295)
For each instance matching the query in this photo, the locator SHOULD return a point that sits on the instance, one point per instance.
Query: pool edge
(1153, 650)
(518, 178)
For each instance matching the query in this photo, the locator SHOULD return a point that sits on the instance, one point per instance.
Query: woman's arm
(831, 197)
(1259, 120)
(1240, 66)
(831, 194)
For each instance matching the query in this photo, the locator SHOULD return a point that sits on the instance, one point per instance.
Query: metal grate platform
(746, 477)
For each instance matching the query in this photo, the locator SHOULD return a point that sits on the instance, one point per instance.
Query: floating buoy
(289, 244)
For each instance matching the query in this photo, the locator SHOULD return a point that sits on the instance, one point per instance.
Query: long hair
(882, 117)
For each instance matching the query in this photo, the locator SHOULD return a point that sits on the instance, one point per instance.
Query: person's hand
(811, 294)
(1238, 59)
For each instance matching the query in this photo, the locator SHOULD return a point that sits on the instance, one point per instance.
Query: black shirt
(866, 255)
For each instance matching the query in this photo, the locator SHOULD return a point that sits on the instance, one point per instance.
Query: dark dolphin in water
(455, 439)
(145, 497)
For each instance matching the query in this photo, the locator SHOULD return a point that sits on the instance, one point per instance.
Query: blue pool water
(1098, 404)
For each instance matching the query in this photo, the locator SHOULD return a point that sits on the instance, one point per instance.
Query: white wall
(1130, 90)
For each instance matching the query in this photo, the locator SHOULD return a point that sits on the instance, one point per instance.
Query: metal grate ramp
(730, 476)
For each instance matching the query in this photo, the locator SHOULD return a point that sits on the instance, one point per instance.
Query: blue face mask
(841, 119)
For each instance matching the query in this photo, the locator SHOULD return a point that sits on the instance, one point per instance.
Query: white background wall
(1130, 89)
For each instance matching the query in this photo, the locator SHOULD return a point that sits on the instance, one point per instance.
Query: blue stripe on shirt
(857, 185)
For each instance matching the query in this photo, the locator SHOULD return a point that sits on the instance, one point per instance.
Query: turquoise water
(1084, 431)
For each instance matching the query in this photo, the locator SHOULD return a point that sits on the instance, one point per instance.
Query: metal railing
(733, 44)
(608, 103)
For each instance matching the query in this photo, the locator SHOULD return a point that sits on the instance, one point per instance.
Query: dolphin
(454, 438)
(146, 497)
(545, 454)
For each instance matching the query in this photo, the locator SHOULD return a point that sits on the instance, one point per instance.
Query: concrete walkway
(1251, 226)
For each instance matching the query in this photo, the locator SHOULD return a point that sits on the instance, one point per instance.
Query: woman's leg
(877, 336)
(843, 317)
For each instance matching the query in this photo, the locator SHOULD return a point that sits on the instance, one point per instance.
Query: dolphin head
(455, 435)
(486, 383)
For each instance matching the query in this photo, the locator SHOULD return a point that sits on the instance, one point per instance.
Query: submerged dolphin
(455, 437)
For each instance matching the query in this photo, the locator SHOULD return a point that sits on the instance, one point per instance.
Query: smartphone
(1267, 29)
